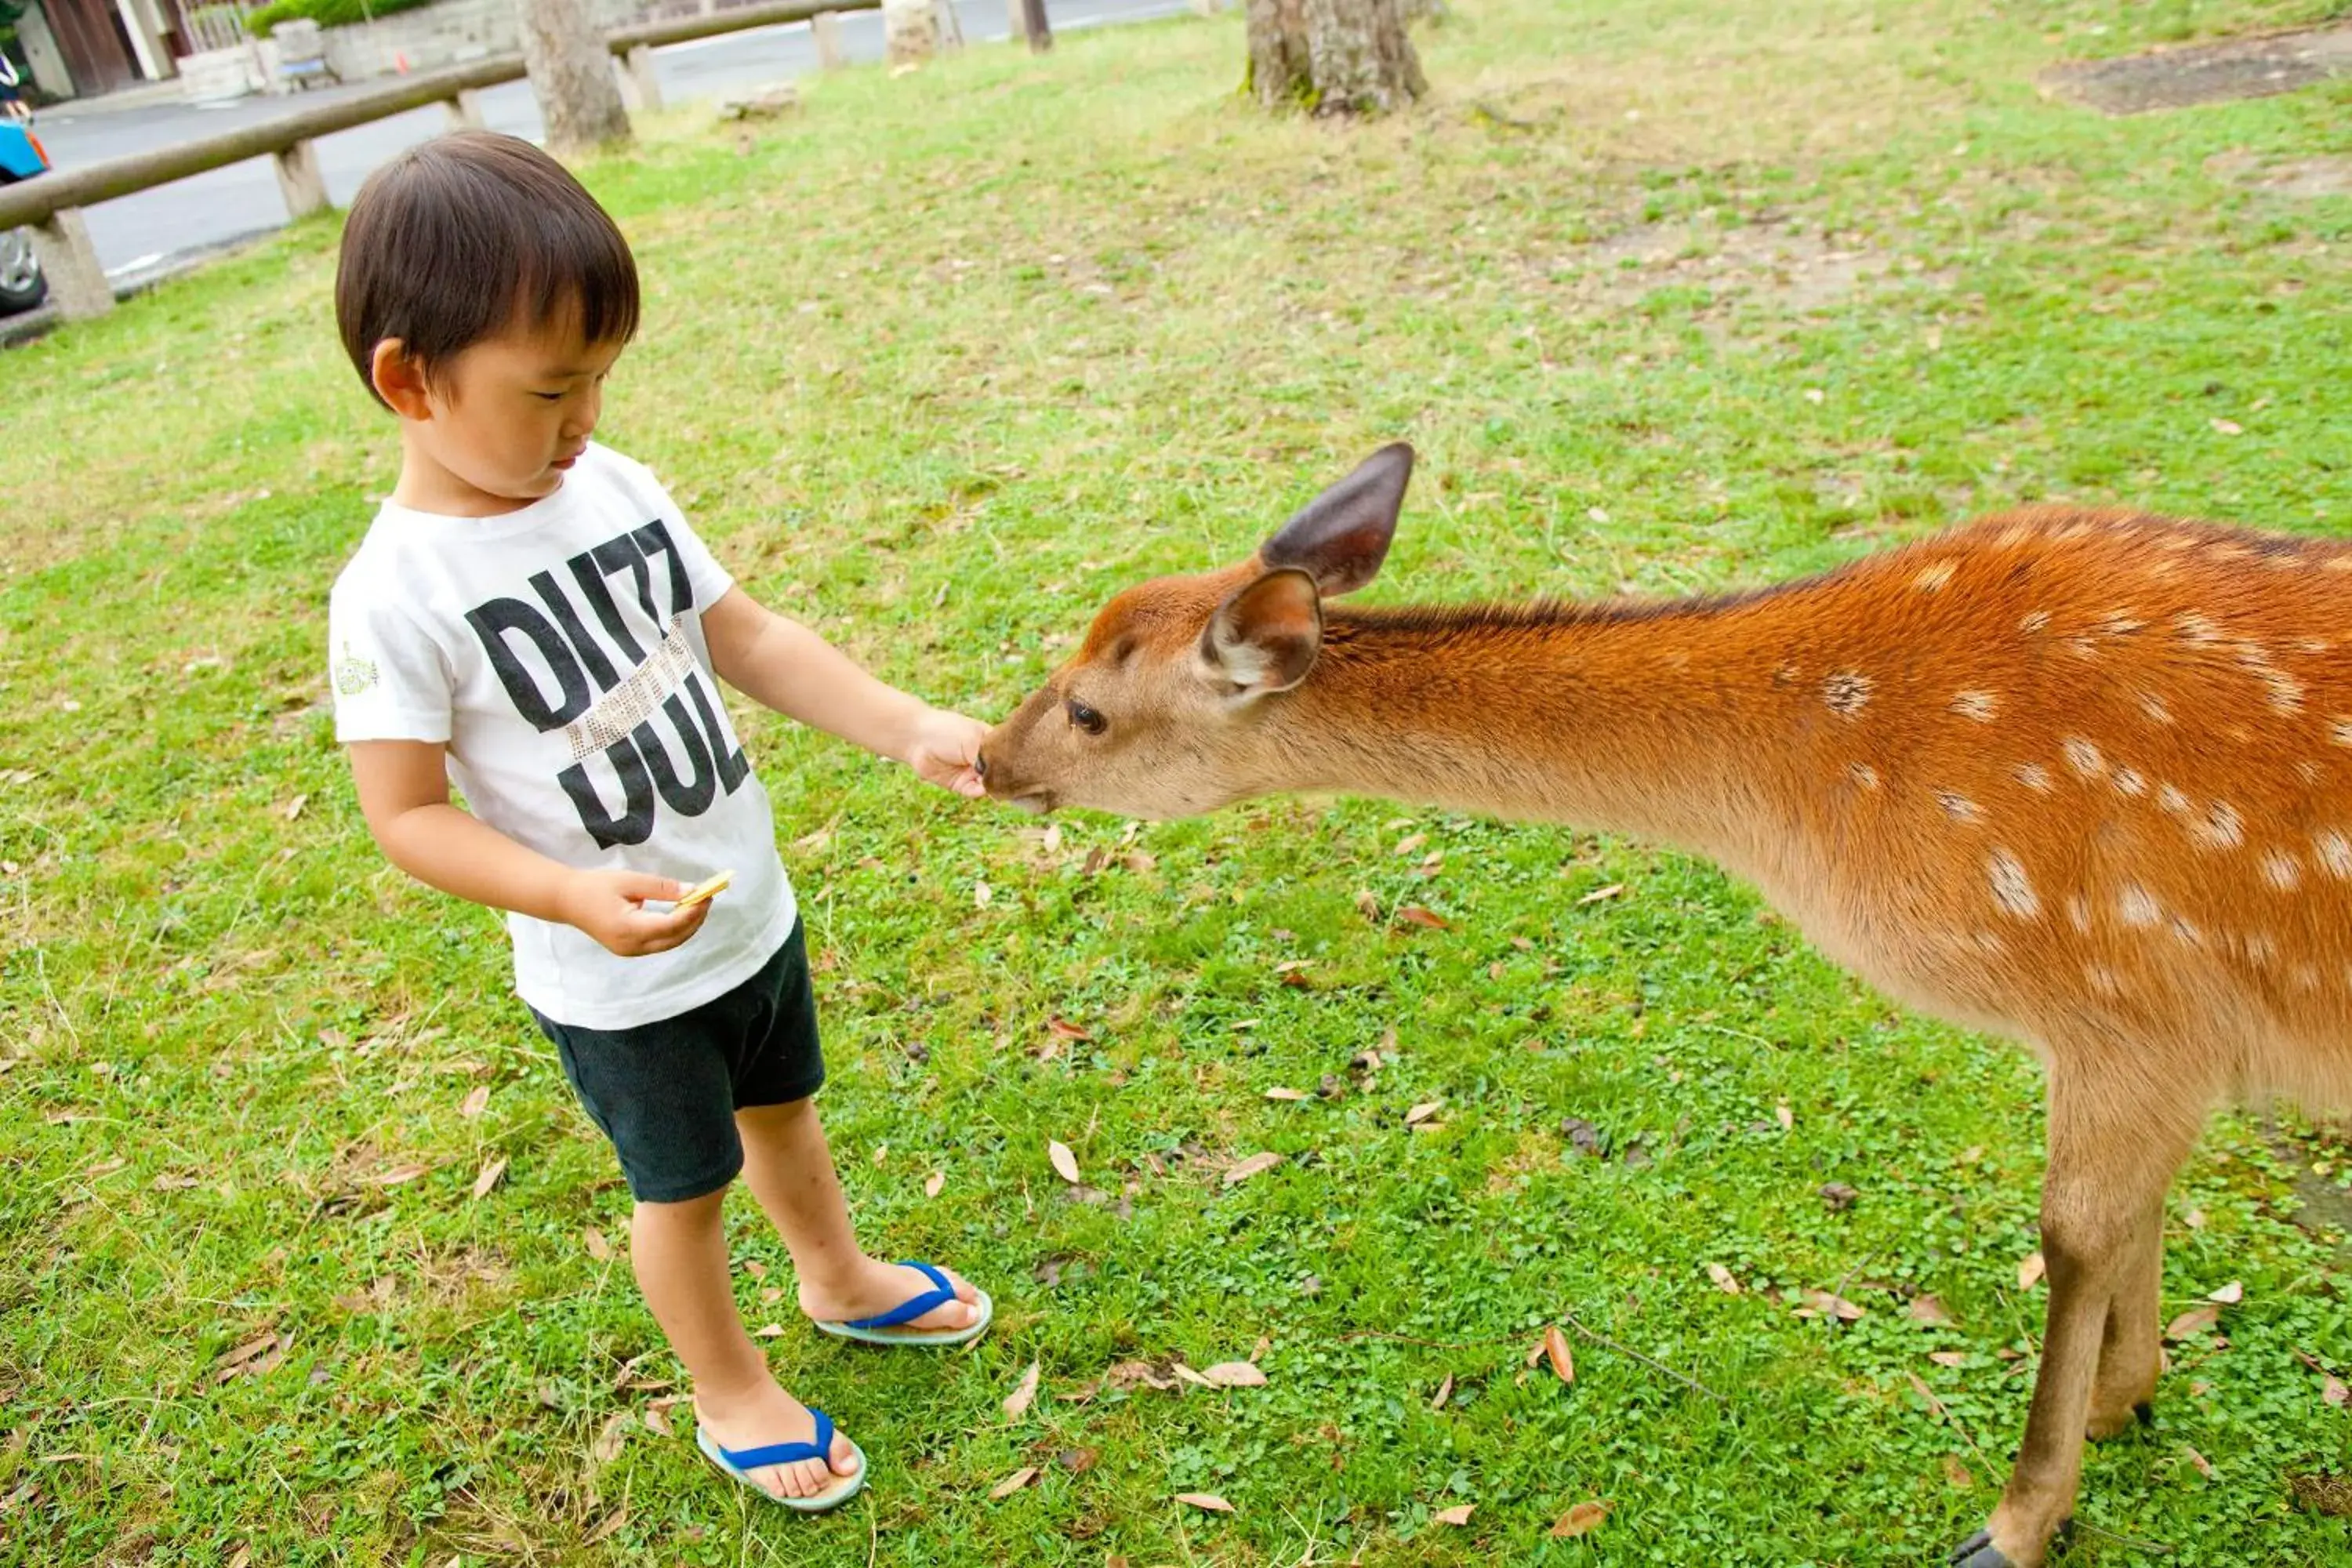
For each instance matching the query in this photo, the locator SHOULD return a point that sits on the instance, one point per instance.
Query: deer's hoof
(1979, 1551)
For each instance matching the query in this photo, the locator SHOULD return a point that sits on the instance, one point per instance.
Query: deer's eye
(1086, 718)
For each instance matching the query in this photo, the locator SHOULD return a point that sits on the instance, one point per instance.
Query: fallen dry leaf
(1012, 1483)
(2230, 1295)
(769, 1331)
(491, 1172)
(611, 1436)
(931, 1186)
(612, 1522)
(1285, 1094)
(1929, 1310)
(1209, 1500)
(1235, 1374)
(1919, 1386)
(982, 895)
(2204, 1466)
(598, 1248)
(2030, 1271)
(1065, 1029)
(1016, 1402)
(1554, 1346)
(1581, 1519)
(475, 1103)
(1127, 1374)
(1140, 862)
(1948, 1358)
(1957, 1474)
(2195, 1320)
(2332, 1391)
(2228, 427)
(1197, 1378)
(1723, 1279)
(1411, 842)
(294, 808)
(1065, 1164)
(1784, 1116)
(241, 1557)
(397, 1175)
(1423, 1112)
(1417, 915)
(1256, 1164)
(1445, 1393)
(1078, 1461)
(1598, 894)
(1832, 1305)
(1458, 1514)
(656, 1418)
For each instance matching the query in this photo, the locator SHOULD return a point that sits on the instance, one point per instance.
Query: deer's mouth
(1036, 802)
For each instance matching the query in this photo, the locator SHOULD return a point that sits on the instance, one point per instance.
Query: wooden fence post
(466, 111)
(825, 27)
(78, 285)
(640, 71)
(1034, 27)
(301, 180)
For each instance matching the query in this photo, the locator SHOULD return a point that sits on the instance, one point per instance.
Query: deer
(2081, 778)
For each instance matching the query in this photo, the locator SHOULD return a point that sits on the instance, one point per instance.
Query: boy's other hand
(610, 907)
(944, 747)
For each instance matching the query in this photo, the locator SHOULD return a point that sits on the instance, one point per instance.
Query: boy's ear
(399, 379)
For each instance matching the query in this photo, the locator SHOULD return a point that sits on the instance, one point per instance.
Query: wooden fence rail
(52, 203)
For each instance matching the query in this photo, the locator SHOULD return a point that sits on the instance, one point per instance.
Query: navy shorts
(667, 1093)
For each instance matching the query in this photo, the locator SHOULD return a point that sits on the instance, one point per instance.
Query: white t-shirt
(557, 651)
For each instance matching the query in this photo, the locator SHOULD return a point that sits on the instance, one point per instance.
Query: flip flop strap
(906, 1312)
(785, 1453)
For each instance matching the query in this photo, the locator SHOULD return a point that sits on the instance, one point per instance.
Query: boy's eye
(549, 396)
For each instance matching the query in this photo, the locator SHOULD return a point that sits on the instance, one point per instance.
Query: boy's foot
(771, 1415)
(874, 1287)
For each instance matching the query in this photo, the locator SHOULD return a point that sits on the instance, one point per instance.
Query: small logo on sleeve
(353, 674)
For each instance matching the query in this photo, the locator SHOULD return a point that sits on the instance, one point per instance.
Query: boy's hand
(610, 907)
(943, 748)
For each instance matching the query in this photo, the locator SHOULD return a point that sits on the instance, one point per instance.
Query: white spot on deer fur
(1934, 577)
(2082, 648)
(2139, 908)
(2172, 800)
(2197, 628)
(2084, 757)
(2012, 890)
(1862, 774)
(2155, 707)
(2014, 535)
(2282, 871)
(2311, 645)
(1980, 706)
(2120, 623)
(1846, 693)
(2304, 977)
(2263, 948)
(2307, 771)
(1958, 807)
(2078, 912)
(2036, 777)
(2038, 621)
(2286, 691)
(2335, 852)
(2340, 731)
(2337, 563)
(2222, 828)
(2130, 782)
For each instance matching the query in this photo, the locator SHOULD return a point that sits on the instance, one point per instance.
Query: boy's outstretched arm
(404, 793)
(775, 660)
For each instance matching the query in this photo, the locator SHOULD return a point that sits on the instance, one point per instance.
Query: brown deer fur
(2082, 778)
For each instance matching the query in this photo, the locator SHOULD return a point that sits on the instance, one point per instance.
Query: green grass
(1674, 296)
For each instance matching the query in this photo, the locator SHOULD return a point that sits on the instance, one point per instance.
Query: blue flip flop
(739, 1462)
(883, 1328)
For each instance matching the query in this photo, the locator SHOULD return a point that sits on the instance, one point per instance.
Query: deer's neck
(1641, 721)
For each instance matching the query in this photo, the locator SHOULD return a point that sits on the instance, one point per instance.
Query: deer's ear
(1341, 536)
(1265, 636)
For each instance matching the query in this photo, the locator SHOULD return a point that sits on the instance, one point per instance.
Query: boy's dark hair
(460, 238)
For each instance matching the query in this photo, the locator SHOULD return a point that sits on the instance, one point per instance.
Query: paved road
(140, 233)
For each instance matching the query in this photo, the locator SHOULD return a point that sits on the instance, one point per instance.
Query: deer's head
(1169, 707)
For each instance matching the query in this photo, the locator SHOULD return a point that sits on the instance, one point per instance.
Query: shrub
(326, 13)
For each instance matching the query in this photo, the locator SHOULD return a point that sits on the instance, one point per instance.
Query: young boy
(531, 618)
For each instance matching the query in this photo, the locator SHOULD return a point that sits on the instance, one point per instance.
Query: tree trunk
(571, 76)
(1334, 56)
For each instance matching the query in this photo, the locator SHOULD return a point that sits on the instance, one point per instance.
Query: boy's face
(505, 418)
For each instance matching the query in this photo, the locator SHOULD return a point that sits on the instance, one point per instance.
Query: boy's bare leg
(789, 1169)
(679, 1251)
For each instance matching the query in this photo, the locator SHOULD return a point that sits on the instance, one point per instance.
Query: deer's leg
(2130, 1353)
(2112, 1154)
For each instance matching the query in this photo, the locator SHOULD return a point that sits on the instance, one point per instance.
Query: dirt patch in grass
(1788, 269)
(2205, 73)
(2328, 174)
(2322, 1494)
